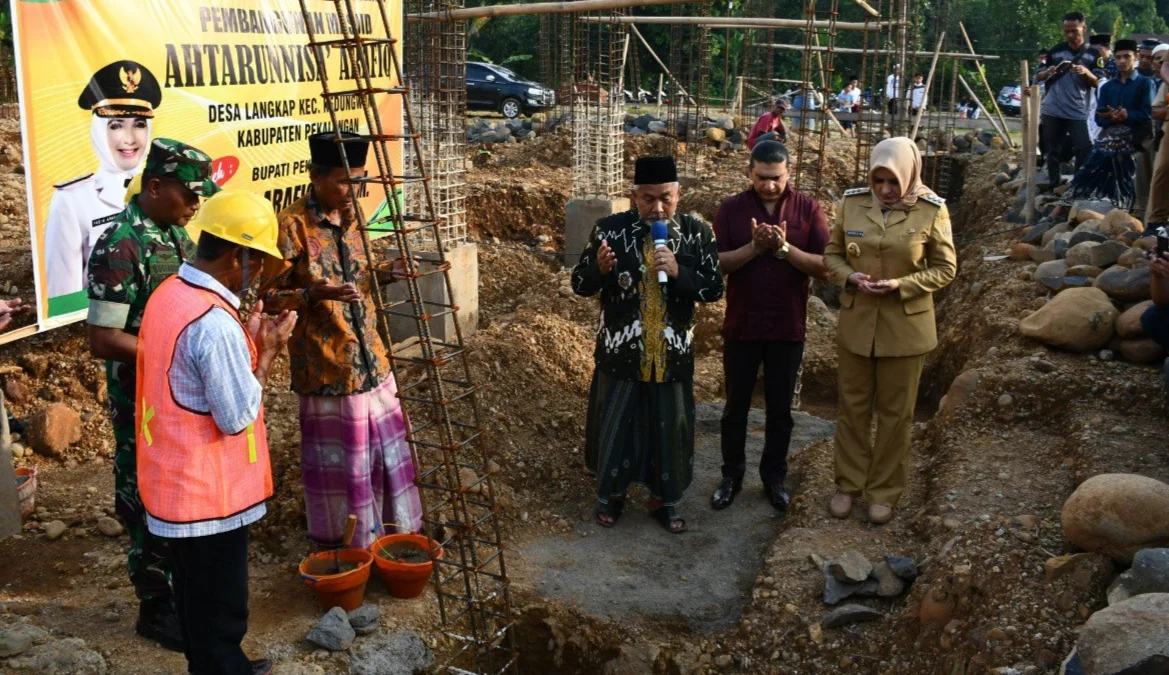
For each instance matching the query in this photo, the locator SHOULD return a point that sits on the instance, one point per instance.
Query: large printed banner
(234, 78)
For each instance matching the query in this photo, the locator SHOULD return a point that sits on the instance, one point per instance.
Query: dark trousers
(1155, 322)
(781, 364)
(1062, 140)
(211, 592)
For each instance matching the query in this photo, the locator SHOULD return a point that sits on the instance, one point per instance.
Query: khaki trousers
(887, 386)
(1158, 211)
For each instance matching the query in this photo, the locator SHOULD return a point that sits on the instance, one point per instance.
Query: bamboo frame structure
(986, 83)
(738, 22)
(929, 80)
(853, 50)
(577, 7)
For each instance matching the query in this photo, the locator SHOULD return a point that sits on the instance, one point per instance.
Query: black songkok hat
(1126, 45)
(1148, 43)
(122, 89)
(324, 150)
(655, 171)
(1100, 40)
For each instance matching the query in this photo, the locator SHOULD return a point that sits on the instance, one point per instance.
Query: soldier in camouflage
(144, 246)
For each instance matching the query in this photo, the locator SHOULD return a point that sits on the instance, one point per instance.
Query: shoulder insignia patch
(1100, 62)
(856, 191)
(934, 199)
(75, 181)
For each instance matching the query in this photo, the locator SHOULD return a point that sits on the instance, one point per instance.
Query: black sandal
(613, 509)
(666, 517)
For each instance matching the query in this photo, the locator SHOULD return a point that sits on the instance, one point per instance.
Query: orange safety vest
(188, 469)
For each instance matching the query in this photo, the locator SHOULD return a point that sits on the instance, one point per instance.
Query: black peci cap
(122, 89)
(1126, 46)
(324, 150)
(655, 171)
(1100, 40)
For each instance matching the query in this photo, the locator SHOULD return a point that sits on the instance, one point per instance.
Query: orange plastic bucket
(402, 579)
(26, 489)
(345, 590)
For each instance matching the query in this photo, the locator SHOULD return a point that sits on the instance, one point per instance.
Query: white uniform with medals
(80, 211)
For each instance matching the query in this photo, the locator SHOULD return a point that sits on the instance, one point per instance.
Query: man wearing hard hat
(202, 449)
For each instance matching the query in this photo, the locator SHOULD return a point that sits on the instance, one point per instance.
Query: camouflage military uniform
(128, 262)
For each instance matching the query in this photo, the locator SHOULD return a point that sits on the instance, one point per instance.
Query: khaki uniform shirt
(916, 248)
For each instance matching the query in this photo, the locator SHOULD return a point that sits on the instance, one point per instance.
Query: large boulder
(1131, 637)
(1119, 222)
(715, 134)
(1128, 324)
(1081, 253)
(54, 429)
(1107, 253)
(1125, 285)
(1117, 514)
(643, 122)
(1079, 320)
(1142, 350)
(1080, 237)
(1084, 215)
(1052, 269)
(1051, 234)
(1133, 258)
(1149, 574)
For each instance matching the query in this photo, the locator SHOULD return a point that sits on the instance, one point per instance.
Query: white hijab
(111, 179)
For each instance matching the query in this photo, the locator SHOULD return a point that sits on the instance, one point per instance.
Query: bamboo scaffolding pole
(1002, 132)
(1029, 161)
(827, 109)
(728, 21)
(985, 83)
(868, 8)
(659, 62)
(853, 50)
(578, 7)
(929, 80)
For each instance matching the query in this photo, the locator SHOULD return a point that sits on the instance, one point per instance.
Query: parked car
(1010, 100)
(492, 87)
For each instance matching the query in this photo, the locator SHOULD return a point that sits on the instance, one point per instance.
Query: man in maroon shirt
(770, 241)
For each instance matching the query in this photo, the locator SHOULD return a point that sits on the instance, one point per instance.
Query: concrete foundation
(581, 216)
(464, 261)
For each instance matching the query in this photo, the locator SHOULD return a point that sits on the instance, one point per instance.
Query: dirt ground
(981, 603)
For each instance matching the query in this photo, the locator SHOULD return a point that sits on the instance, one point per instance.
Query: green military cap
(190, 166)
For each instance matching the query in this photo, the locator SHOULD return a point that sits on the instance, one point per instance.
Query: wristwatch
(781, 252)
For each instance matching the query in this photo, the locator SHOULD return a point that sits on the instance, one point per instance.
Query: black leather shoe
(724, 496)
(778, 495)
(261, 666)
(158, 620)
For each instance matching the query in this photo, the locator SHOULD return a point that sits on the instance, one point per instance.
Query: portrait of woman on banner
(122, 97)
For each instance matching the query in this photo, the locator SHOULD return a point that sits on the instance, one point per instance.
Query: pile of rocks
(481, 131)
(977, 142)
(399, 653)
(1095, 265)
(27, 648)
(852, 575)
(1119, 515)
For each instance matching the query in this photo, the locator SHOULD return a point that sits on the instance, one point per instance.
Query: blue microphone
(660, 233)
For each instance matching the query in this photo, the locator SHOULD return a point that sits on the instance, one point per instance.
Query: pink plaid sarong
(354, 458)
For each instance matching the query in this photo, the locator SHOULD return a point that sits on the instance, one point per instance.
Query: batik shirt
(335, 349)
(626, 303)
(128, 262)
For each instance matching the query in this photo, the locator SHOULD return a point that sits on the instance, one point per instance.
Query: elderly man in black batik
(640, 426)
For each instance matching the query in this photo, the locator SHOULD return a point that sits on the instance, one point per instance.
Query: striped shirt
(212, 372)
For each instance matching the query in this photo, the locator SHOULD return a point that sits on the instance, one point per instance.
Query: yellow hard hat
(133, 188)
(238, 216)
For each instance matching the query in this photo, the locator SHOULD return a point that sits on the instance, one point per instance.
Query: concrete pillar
(464, 274)
(580, 218)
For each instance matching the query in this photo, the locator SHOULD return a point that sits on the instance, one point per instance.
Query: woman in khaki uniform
(890, 250)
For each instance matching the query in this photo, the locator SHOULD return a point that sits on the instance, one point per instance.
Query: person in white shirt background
(917, 94)
(122, 97)
(849, 100)
(1103, 44)
(892, 89)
